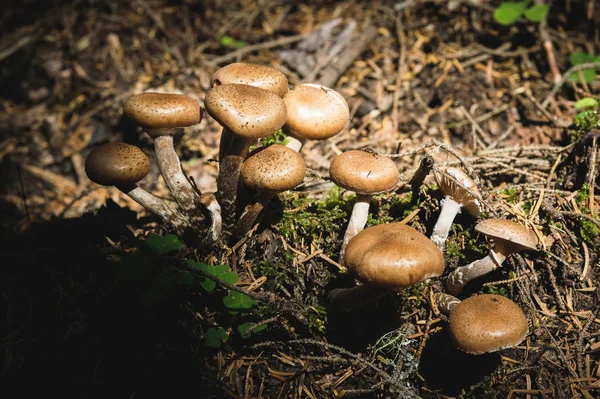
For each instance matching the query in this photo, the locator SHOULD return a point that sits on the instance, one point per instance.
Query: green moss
(583, 123)
(589, 231)
(279, 137)
(497, 290)
(464, 245)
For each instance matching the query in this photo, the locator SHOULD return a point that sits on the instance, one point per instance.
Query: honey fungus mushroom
(366, 173)
(123, 165)
(508, 237)
(314, 112)
(386, 258)
(459, 190)
(483, 323)
(163, 116)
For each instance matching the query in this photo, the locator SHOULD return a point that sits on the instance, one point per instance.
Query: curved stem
(214, 209)
(461, 276)
(180, 187)
(172, 218)
(445, 302)
(355, 297)
(358, 220)
(251, 213)
(442, 227)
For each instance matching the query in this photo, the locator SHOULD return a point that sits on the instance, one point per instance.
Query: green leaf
(537, 12)
(509, 13)
(589, 75)
(221, 272)
(215, 337)
(586, 102)
(244, 326)
(238, 301)
(162, 245)
(228, 41)
(183, 277)
(580, 57)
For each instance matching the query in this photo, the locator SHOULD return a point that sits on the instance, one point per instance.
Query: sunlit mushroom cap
(459, 192)
(116, 164)
(162, 110)
(315, 112)
(273, 168)
(364, 172)
(393, 256)
(262, 76)
(247, 111)
(487, 323)
(512, 232)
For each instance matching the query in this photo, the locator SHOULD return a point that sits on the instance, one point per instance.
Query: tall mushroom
(509, 238)
(256, 75)
(268, 170)
(484, 323)
(314, 112)
(385, 258)
(163, 116)
(248, 113)
(366, 173)
(458, 189)
(123, 165)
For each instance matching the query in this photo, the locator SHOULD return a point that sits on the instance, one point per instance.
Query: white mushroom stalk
(509, 238)
(366, 173)
(123, 165)
(458, 189)
(386, 258)
(314, 112)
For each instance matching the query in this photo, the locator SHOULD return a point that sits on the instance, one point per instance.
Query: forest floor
(90, 294)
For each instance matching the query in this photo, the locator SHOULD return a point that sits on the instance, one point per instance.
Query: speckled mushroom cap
(162, 110)
(456, 191)
(364, 172)
(247, 111)
(116, 164)
(315, 112)
(393, 256)
(273, 168)
(487, 323)
(254, 75)
(507, 230)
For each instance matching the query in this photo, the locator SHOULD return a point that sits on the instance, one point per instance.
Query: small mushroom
(314, 112)
(256, 75)
(385, 258)
(123, 165)
(163, 116)
(366, 173)
(484, 323)
(458, 189)
(509, 238)
(248, 113)
(268, 170)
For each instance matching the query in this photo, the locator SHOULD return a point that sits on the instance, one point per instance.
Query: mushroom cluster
(252, 102)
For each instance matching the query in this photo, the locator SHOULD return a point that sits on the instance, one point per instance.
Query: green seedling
(508, 13)
(228, 41)
(583, 123)
(215, 337)
(161, 245)
(243, 329)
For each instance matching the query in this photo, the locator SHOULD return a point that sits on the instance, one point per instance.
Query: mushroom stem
(214, 209)
(462, 275)
(442, 227)
(180, 187)
(358, 219)
(252, 211)
(167, 215)
(294, 143)
(445, 303)
(351, 298)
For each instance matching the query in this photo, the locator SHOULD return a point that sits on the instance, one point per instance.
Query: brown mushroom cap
(162, 110)
(513, 233)
(364, 172)
(262, 76)
(393, 255)
(315, 112)
(246, 111)
(116, 164)
(273, 168)
(456, 191)
(487, 323)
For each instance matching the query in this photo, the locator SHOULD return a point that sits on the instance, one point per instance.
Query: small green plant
(215, 337)
(228, 41)
(243, 328)
(509, 13)
(583, 123)
(579, 58)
